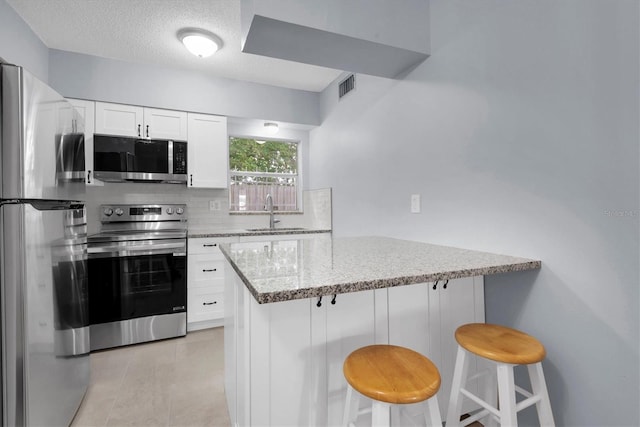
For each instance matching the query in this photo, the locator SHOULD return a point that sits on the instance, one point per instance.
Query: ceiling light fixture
(200, 42)
(271, 128)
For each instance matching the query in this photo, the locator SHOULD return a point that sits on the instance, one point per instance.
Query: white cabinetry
(337, 330)
(208, 152)
(165, 124)
(86, 110)
(205, 283)
(139, 122)
(425, 319)
(293, 351)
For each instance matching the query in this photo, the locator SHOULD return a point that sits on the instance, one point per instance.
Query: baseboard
(196, 326)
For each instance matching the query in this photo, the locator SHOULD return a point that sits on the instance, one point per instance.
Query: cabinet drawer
(203, 269)
(208, 246)
(204, 305)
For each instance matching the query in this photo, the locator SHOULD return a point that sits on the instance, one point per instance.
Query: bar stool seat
(390, 374)
(508, 348)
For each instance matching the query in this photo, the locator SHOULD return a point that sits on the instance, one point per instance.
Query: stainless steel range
(138, 275)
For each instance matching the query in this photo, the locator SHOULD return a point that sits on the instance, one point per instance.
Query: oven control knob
(119, 212)
(169, 211)
(108, 212)
(179, 211)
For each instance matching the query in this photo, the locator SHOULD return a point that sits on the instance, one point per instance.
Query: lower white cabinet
(205, 283)
(424, 317)
(283, 361)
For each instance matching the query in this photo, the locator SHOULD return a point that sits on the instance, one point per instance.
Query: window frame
(299, 146)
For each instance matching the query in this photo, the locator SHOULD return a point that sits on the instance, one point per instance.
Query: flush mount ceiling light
(200, 42)
(271, 128)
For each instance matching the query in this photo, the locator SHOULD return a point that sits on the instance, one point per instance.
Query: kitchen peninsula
(296, 308)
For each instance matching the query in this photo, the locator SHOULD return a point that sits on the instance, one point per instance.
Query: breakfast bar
(294, 309)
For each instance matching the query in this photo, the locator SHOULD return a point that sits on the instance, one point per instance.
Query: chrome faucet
(269, 207)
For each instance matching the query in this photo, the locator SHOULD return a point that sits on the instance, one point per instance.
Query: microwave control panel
(179, 157)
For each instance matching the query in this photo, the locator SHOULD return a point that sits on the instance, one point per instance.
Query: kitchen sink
(277, 229)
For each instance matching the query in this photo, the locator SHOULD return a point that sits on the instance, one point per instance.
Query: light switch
(415, 203)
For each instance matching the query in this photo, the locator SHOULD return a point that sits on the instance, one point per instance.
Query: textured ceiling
(144, 31)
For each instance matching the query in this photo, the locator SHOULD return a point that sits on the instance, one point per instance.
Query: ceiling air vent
(346, 86)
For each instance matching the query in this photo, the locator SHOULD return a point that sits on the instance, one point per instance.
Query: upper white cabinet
(208, 151)
(86, 111)
(139, 122)
(165, 124)
(118, 119)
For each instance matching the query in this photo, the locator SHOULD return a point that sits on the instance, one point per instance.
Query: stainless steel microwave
(119, 159)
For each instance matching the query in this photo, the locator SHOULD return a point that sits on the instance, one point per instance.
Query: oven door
(134, 279)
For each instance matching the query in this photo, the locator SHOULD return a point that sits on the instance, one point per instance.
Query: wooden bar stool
(507, 348)
(389, 374)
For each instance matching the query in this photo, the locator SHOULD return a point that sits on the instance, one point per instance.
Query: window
(259, 168)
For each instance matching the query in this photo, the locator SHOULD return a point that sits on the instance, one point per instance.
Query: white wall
(90, 77)
(521, 134)
(21, 46)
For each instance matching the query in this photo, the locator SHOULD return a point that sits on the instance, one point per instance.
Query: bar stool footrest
(480, 402)
(477, 416)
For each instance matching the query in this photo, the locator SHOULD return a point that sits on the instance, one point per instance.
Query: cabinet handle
(435, 285)
(209, 303)
(138, 131)
(319, 303)
(209, 270)
(147, 131)
(445, 284)
(208, 245)
(191, 180)
(333, 300)
(88, 177)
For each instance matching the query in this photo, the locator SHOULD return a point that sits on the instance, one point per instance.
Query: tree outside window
(259, 168)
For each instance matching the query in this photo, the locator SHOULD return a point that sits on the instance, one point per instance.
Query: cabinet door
(119, 119)
(461, 302)
(208, 151)
(349, 326)
(86, 110)
(425, 319)
(280, 363)
(208, 245)
(205, 271)
(205, 283)
(165, 124)
(205, 304)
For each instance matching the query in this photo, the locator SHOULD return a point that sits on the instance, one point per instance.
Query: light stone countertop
(294, 269)
(199, 233)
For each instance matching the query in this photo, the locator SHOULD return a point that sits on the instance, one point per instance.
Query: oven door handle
(111, 250)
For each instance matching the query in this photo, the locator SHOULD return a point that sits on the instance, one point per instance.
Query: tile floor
(176, 382)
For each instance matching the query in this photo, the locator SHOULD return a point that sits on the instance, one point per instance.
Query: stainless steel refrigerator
(43, 252)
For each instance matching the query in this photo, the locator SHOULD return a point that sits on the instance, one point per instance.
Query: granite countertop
(208, 232)
(294, 269)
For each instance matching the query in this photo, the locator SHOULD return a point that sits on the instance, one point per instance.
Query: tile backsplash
(316, 206)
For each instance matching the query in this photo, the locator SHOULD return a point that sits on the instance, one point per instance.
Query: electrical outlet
(415, 203)
(214, 205)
